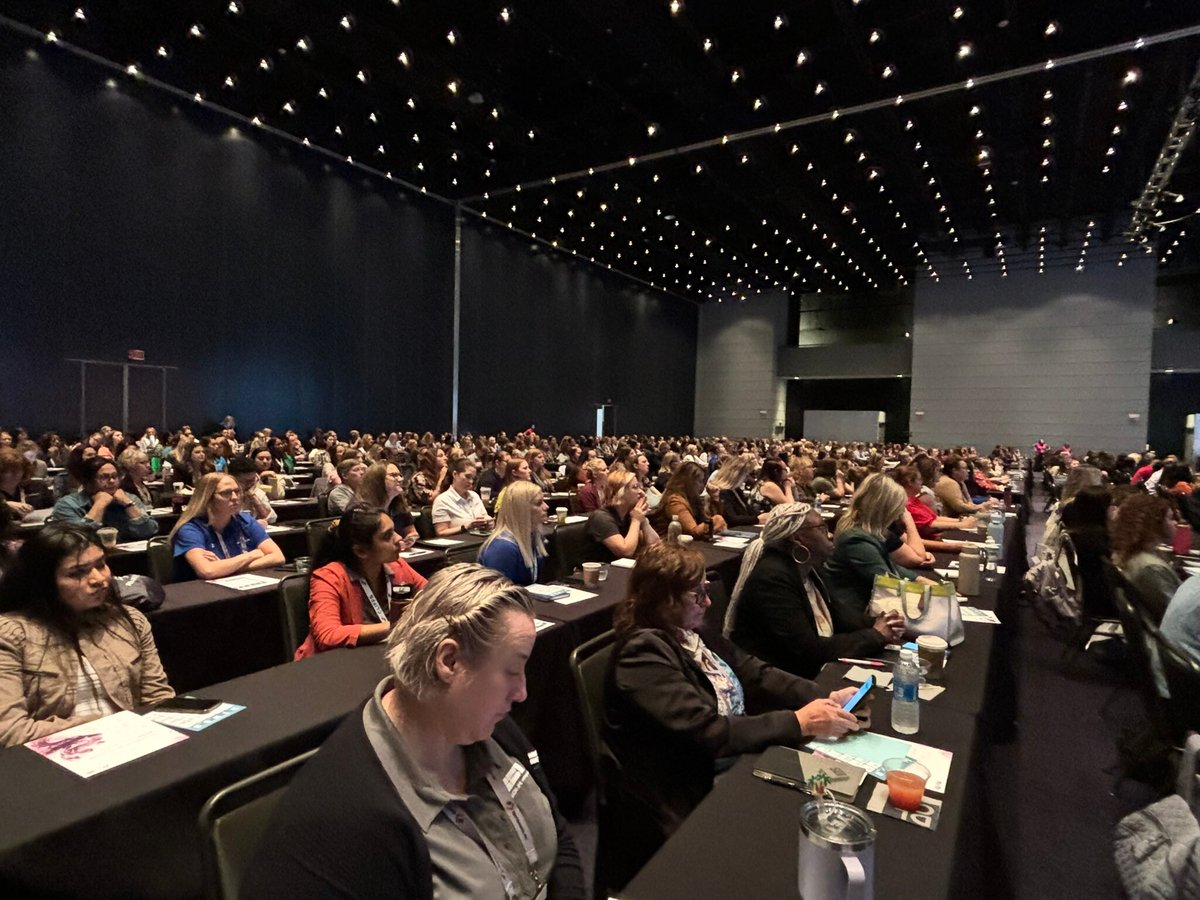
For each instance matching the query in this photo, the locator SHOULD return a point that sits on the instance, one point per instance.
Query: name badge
(517, 774)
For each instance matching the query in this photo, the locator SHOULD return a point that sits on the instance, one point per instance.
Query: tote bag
(929, 609)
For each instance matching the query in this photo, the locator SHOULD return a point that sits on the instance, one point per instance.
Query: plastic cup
(108, 536)
(561, 513)
(591, 574)
(485, 494)
(906, 780)
(932, 650)
(303, 563)
(603, 576)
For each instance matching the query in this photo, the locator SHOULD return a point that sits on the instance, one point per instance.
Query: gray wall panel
(735, 367)
(846, 361)
(1063, 356)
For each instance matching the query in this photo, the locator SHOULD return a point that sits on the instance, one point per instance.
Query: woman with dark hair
(359, 585)
(69, 650)
(195, 466)
(1143, 522)
(684, 497)
(517, 469)
(680, 702)
(775, 485)
(285, 462)
(424, 485)
(927, 522)
(382, 486)
(101, 501)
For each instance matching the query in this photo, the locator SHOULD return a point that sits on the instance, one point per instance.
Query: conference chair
(570, 544)
(315, 531)
(718, 598)
(1183, 682)
(232, 823)
(423, 519)
(293, 612)
(160, 559)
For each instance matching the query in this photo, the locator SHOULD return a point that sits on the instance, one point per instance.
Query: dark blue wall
(289, 294)
(545, 339)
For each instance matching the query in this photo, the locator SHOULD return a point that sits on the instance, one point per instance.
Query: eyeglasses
(229, 494)
(698, 595)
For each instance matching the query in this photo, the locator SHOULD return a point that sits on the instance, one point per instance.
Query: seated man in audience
(459, 508)
(101, 501)
(254, 499)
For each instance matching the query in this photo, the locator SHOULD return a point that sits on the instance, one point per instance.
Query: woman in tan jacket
(69, 650)
(685, 496)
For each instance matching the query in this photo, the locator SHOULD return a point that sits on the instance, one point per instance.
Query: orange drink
(906, 783)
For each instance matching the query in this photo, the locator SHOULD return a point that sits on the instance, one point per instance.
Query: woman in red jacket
(360, 585)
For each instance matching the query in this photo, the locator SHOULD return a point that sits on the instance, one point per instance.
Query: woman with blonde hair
(621, 528)
(726, 485)
(595, 493)
(213, 538)
(516, 548)
(861, 551)
(434, 762)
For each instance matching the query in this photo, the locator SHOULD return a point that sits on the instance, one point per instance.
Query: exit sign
(137, 355)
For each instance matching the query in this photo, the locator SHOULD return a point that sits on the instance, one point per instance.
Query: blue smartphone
(859, 694)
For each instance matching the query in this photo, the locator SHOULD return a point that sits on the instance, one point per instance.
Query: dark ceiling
(471, 98)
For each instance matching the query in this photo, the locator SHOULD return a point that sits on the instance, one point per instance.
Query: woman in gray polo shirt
(431, 789)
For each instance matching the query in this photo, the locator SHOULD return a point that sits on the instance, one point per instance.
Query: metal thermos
(968, 571)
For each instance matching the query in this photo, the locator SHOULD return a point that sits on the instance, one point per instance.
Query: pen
(877, 663)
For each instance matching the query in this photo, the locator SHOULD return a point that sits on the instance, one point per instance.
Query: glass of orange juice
(906, 782)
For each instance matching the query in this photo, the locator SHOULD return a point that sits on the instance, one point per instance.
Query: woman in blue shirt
(516, 548)
(213, 539)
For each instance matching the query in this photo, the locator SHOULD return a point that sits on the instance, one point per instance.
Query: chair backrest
(233, 821)
(467, 555)
(568, 551)
(1182, 674)
(718, 597)
(160, 559)
(315, 532)
(320, 486)
(293, 612)
(589, 666)
(1139, 638)
(423, 519)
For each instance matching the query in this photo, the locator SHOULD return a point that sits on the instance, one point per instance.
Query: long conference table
(131, 832)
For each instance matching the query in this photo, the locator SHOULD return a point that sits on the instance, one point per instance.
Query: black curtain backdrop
(290, 292)
(1173, 397)
(545, 340)
(892, 395)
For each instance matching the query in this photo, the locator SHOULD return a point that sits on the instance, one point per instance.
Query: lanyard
(225, 549)
(375, 607)
(516, 775)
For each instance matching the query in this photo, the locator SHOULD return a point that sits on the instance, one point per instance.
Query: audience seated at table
(213, 538)
(254, 498)
(425, 792)
(195, 465)
(861, 551)
(774, 484)
(779, 608)
(359, 585)
(686, 497)
(70, 651)
(15, 472)
(350, 474)
(593, 495)
(269, 478)
(1143, 522)
(681, 703)
(101, 501)
(930, 471)
(621, 529)
(458, 508)
(538, 473)
(951, 489)
(135, 468)
(515, 548)
(828, 479)
(383, 486)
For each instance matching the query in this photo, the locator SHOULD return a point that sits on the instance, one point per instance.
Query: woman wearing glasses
(383, 486)
(779, 610)
(359, 585)
(214, 539)
(681, 702)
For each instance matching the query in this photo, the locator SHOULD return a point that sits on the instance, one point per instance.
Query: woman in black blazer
(779, 611)
(679, 702)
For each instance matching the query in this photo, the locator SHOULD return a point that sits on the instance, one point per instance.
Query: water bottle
(906, 680)
(674, 530)
(995, 531)
(168, 473)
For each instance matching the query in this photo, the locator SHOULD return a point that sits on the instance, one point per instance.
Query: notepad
(981, 616)
(133, 546)
(441, 542)
(542, 624)
(103, 744)
(574, 595)
(245, 582)
(571, 520)
(624, 563)
(413, 554)
(731, 543)
(548, 591)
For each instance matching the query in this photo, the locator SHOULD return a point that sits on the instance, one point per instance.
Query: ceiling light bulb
(452, 87)
(965, 49)
(820, 88)
(707, 45)
(675, 6)
(1051, 29)
(651, 130)
(162, 51)
(196, 31)
(957, 14)
(780, 22)
(451, 37)
(801, 58)
(1132, 76)
(505, 15)
(735, 76)
(889, 71)
(80, 15)
(303, 45)
(347, 23)
(403, 59)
